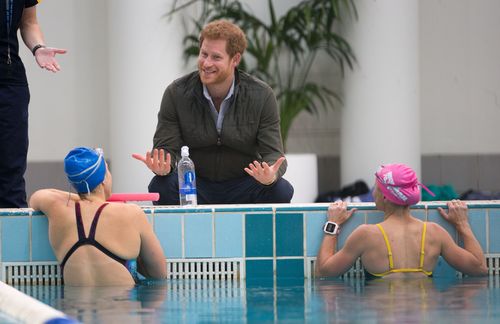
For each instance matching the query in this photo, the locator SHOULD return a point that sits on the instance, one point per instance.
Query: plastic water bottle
(187, 179)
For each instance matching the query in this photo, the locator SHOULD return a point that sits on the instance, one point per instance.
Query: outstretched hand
(263, 172)
(457, 213)
(45, 57)
(338, 213)
(158, 162)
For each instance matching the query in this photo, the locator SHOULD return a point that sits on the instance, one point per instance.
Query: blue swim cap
(85, 169)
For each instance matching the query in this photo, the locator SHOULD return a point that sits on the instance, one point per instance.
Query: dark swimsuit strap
(98, 245)
(79, 222)
(90, 240)
(81, 236)
(93, 227)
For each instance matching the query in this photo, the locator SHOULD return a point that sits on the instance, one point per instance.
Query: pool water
(386, 300)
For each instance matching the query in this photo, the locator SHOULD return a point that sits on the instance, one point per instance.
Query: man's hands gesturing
(263, 172)
(158, 162)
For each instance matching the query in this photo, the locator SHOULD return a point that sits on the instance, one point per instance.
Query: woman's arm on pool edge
(44, 199)
(151, 261)
(470, 259)
(329, 262)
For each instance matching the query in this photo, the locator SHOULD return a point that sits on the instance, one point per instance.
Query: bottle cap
(184, 151)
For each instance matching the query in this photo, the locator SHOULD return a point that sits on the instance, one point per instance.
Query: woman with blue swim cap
(92, 239)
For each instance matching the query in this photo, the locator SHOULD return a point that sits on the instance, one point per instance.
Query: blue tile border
(324, 207)
(289, 234)
(494, 204)
(40, 245)
(15, 238)
(198, 235)
(477, 221)
(242, 209)
(493, 225)
(290, 268)
(168, 229)
(17, 212)
(179, 210)
(255, 234)
(229, 235)
(419, 206)
(259, 235)
(256, 269)
(303, 209)
(314, 224)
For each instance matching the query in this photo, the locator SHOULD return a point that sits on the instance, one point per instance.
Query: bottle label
(189, 178)
(187, 191)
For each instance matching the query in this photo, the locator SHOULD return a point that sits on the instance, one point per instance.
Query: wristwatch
(331, 228)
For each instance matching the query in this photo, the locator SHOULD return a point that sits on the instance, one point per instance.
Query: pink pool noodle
(152, 196)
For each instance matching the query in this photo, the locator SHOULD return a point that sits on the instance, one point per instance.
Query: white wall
(70, 108)
(460, 76)
(380, 117)
(459, 67)
(459, 84)
(145, 56)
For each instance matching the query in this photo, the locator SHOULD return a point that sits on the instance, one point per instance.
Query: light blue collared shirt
(219, 116)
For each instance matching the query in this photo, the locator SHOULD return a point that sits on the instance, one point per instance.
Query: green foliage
(282, 51)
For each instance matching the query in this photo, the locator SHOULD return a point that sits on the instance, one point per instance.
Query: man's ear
(236, 59)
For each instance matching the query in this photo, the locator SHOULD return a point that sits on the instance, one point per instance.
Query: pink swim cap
(399, 184)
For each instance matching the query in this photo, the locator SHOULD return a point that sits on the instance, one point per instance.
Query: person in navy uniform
(15, 96)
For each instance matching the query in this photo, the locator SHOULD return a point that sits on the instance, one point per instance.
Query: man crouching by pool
(94, 241)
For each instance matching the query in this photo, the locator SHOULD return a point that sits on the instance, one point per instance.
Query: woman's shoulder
(433, 226)
(127, 213)
(435, 232)
(365, 236)
(124, 208)
(365, 229)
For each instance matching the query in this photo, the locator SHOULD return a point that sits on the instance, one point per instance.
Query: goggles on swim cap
(85, 168)
(399, 184)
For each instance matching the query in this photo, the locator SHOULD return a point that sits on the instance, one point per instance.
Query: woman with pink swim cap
(401, 245)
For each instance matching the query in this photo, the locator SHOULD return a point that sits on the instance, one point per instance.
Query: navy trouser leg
(280, 192)
(14, 102)
(245, 190)
(168, 188)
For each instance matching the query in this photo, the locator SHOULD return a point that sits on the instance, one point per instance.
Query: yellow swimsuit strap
(389, 251)
(422, 251)
(391, 261)
(422, 248)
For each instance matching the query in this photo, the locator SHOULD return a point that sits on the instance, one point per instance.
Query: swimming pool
(467, 300)
(254, 263)
(231, 241)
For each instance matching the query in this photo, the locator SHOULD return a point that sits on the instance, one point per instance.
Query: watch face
(330, 228)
